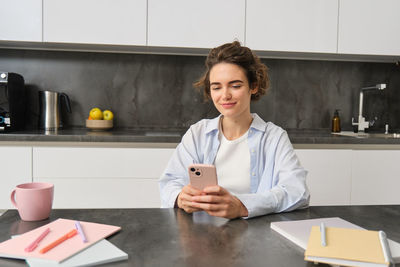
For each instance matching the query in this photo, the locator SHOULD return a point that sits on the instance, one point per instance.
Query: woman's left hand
(219, 202)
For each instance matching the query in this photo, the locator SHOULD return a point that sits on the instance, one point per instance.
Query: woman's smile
(230, 91)
(228, 105)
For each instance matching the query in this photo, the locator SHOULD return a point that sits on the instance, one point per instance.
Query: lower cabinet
(329, 175)
(16, 168)
(375, 177)
(101, 177)
(352, 177)
(92, 177)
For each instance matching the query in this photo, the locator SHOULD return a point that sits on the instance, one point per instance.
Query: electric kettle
(50, 109)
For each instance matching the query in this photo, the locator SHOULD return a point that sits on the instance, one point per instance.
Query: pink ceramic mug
(33, 200)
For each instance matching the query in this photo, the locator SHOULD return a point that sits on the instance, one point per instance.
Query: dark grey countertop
(171, 237)
(306, 136)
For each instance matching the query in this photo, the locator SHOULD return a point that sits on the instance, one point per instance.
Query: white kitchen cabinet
(111, 177)
(21, 20)
(375, 177)
(369, 27)
(192, 23)
(16, 168)
(291, 25)
(101, 177)
(121, 22)
(329, 175)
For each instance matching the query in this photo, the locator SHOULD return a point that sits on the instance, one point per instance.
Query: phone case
(202, 175)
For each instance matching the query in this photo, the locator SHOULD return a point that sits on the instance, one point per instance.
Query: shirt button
(254, 174)
(252, 151)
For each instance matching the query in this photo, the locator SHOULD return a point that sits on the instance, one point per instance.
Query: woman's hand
(217, 201)
(185, 198)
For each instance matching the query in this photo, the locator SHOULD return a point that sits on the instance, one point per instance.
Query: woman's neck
(234, 128)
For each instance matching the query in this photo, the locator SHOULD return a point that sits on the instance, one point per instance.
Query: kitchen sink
(367, 135)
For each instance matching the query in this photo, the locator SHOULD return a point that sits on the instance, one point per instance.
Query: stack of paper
(96, 250)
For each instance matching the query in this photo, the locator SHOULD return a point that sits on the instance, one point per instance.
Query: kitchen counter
(171, 237)
(173, 136)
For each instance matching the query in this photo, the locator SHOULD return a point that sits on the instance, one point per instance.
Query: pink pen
(35, 243)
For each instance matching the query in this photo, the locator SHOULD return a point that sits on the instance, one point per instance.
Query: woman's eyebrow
(236, 81)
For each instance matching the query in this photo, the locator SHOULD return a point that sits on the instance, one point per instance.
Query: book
(346, 247)
(100, 253)
(299, 231)
(15, 247)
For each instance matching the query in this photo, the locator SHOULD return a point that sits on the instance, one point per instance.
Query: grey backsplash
(156, 90)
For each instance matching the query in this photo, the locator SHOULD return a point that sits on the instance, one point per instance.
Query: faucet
(362, 123)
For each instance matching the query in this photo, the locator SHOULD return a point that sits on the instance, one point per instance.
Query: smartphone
(202, 175)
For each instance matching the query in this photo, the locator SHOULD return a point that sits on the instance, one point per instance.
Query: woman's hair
(256, 72)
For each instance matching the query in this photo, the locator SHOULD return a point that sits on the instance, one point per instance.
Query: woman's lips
(228, 105)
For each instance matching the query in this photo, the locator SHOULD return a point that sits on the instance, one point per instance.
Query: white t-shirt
(233, 164)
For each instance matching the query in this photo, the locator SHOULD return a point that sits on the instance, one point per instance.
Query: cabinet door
(376, 177)
(21, 20)
(329, 175)
(369, 27)
(101, 177)
(16, 168)
(121, 22)
(192, 23)
(291, 25)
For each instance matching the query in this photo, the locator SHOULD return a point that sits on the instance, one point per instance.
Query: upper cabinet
(193, 23)
(311, 29)
(121, 22)
(369, 27)
(21, 20)
(292, 25)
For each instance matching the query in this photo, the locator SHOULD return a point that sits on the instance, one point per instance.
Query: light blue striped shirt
(277, 180)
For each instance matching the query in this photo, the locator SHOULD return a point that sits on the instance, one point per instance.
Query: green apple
(108, 115)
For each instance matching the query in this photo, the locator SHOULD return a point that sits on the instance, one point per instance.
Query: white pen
(385, 248)
(80, 231)
(323, 234)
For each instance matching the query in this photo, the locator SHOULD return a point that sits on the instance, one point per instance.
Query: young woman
(257, 168)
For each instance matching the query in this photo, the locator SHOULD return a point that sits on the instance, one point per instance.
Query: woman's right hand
(185, 198)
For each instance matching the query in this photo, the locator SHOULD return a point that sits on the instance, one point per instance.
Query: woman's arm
(175, 175)
(282, 189)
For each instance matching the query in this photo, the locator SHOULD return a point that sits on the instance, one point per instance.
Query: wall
(156, 90)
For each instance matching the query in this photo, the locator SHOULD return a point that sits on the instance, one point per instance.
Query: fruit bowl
(99, 124)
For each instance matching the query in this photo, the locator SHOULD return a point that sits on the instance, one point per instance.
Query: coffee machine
(12, 101)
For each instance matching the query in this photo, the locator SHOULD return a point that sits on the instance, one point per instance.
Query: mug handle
(13, 199)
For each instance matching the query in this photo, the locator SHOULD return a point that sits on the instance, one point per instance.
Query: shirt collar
(213, 124)
(257, 124)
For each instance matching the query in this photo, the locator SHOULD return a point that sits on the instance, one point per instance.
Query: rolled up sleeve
(175, 176)
(283, 186)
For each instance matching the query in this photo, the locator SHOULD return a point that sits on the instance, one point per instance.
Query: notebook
(14, 248)
(100, 253)
(346, 247)
(299, 231)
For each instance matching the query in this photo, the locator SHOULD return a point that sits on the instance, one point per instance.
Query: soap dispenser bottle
(336, 122)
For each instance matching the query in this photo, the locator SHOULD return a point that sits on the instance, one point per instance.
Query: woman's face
(230, 90)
